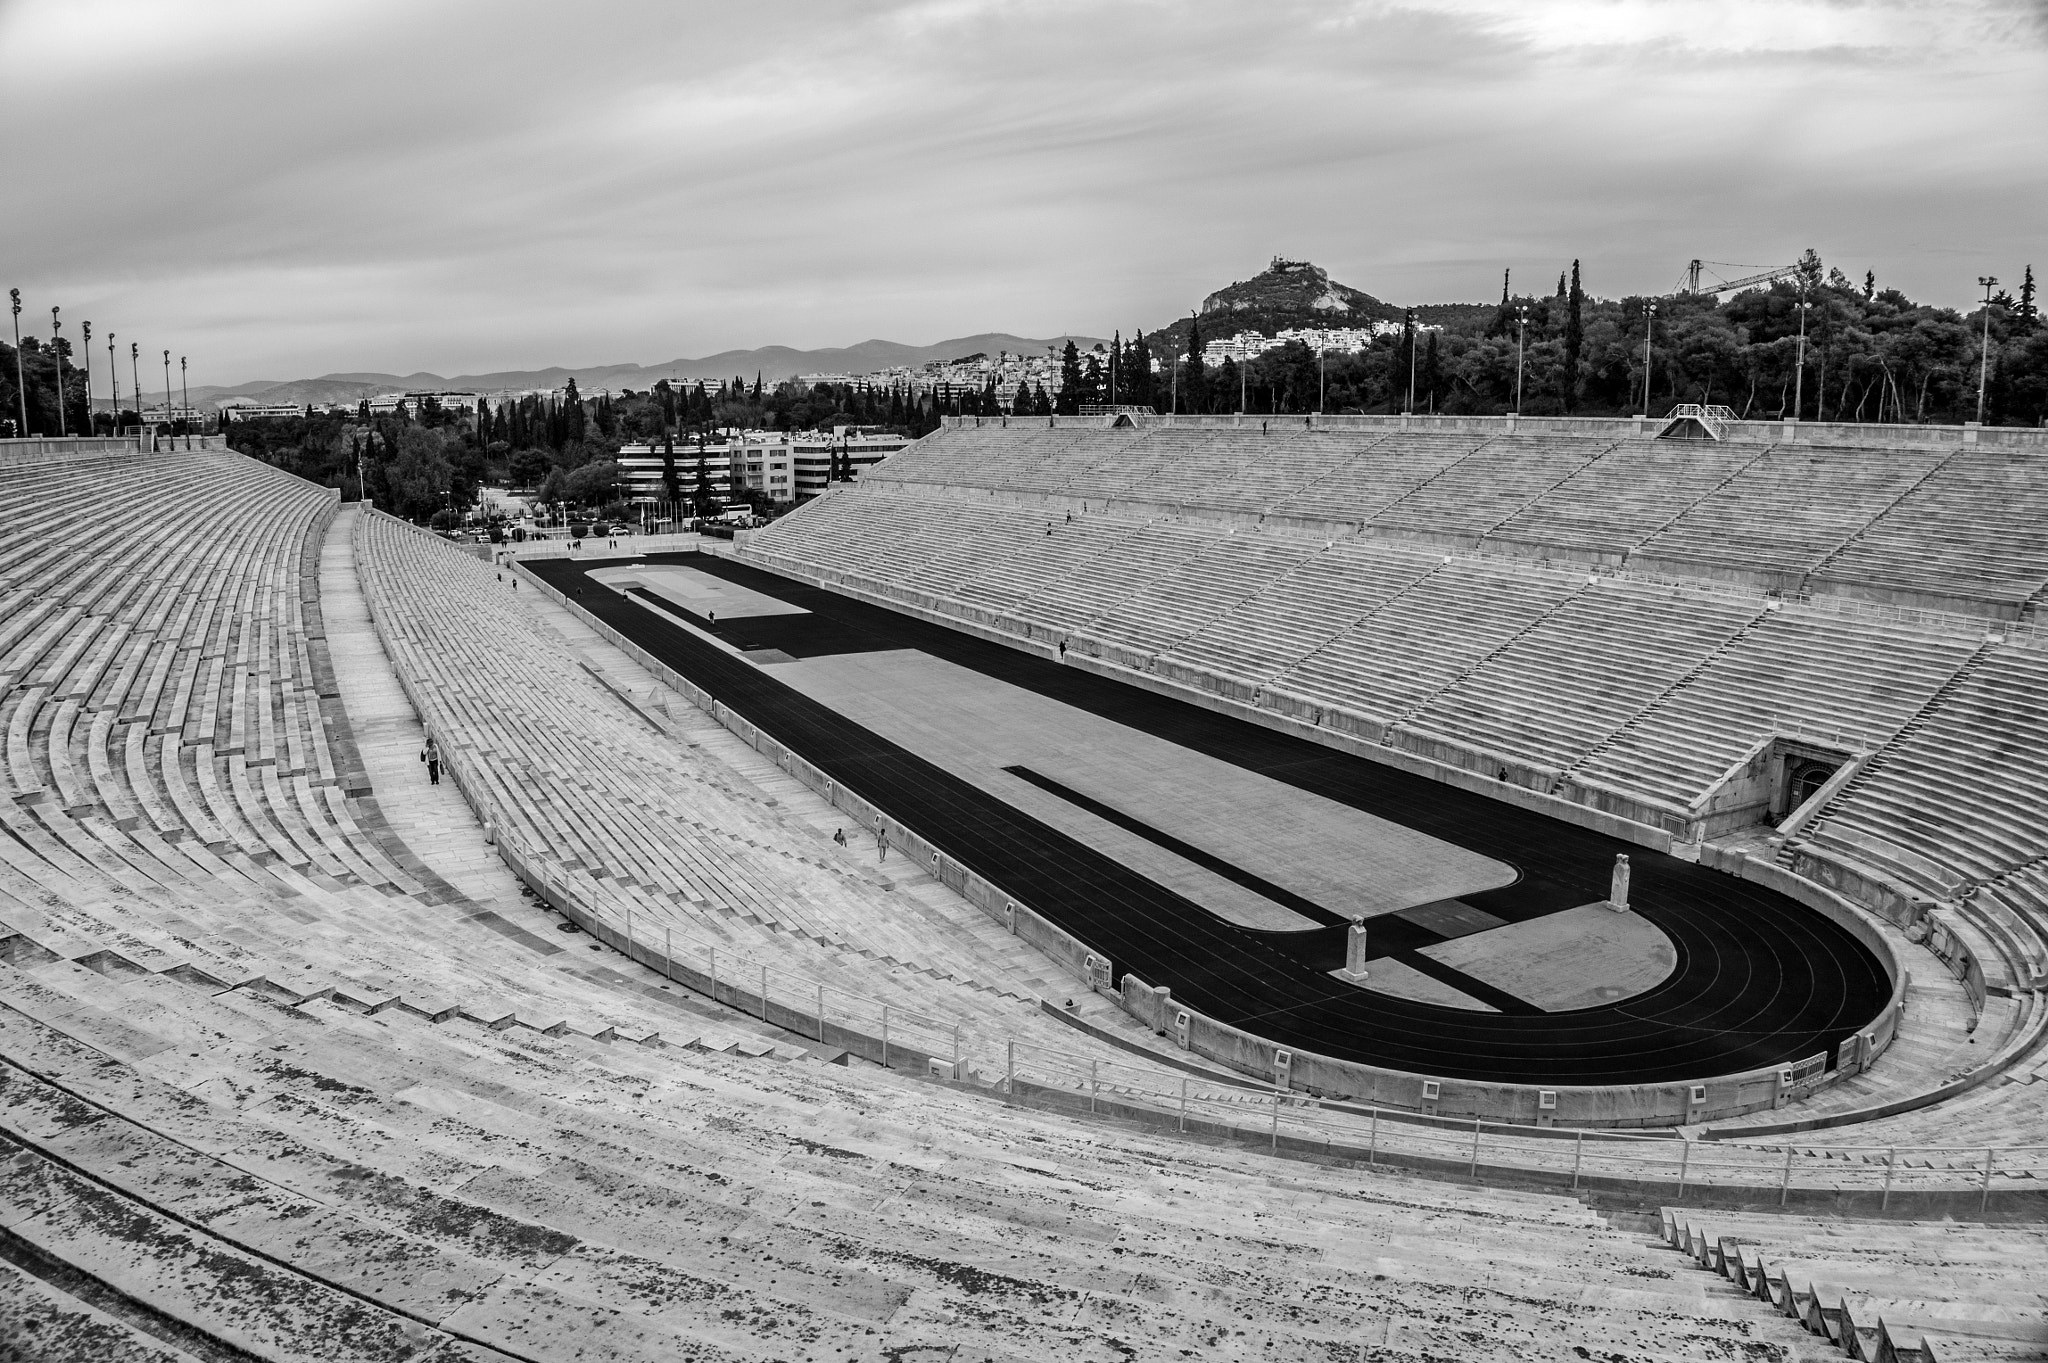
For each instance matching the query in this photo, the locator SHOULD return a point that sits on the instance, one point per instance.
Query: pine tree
(1574, 340)
(1193, 379)
(2024, 308)
(1869, 285)
(1022, 404)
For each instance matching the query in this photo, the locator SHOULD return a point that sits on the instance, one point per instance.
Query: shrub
(600, 528)
(577, 530)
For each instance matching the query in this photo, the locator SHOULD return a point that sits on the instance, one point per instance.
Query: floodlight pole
(185, 387)
(167, 396)
(1521, 337)
(20, 383)
(85, 329)
(135, 373)
(57, 349)
(114, 378)
(1799, 376)
(1989, 282)
(1649, 328)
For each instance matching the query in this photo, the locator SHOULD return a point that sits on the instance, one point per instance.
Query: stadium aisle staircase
(1910, 1292)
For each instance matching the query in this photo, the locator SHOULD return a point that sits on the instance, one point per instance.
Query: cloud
(290, 189)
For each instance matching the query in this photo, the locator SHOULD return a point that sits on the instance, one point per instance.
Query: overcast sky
(284, 188)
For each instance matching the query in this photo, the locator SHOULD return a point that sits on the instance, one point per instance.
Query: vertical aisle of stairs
(1878, 760)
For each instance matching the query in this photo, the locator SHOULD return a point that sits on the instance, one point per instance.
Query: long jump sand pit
(1342, 859)
(699, 592)
(1581, 958)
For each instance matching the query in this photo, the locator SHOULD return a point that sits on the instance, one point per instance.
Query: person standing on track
(431, 755)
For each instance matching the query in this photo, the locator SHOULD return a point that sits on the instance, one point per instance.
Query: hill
(1288, 293)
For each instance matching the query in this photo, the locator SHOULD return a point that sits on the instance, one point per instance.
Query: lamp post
(57, 349)
(1799, 365)
(135, 375)
(185, 387)
(20, 383)
(1521, 337)
(114, 378)
(85, 344)
(1649, 328)
(1990, 282)
(168, 420)
(1322, 353)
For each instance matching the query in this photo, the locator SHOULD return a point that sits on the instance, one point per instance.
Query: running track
(1761, 980)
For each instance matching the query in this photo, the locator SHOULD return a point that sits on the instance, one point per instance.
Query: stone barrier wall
(1597, 427)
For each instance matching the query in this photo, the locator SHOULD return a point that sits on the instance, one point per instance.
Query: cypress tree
(1193, 379)
(2025, 308)
(1070, 380)
(1574, 340)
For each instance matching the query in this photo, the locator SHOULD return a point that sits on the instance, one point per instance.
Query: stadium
(1094, 887)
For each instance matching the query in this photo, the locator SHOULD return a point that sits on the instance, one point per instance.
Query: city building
(640, 471)
(864, 447)
(245, 411)
(781, 466)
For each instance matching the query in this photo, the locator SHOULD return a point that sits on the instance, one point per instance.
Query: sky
(287, 189)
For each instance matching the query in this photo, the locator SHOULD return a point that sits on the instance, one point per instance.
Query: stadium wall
(1633, 1105)
(1611, 428)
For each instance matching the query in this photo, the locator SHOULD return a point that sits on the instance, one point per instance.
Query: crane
(1692, 277)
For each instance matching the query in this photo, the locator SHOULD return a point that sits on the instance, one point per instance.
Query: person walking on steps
(839, 836)
(881, 844)
(431, 755)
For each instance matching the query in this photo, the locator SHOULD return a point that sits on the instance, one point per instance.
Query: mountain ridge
(772, 363)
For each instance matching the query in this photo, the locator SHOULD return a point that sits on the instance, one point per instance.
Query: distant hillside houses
(1340, 340)
(968, 374)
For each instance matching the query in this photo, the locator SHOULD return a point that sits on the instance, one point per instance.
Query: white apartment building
(782, 466)
(640, 468)
(814, 451)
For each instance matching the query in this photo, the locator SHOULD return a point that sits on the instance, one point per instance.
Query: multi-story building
(385, 403)
(765, 462)
(781, 466)
(640, 470)
(863, 447)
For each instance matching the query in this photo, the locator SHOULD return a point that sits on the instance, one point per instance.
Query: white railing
(1262, 1114)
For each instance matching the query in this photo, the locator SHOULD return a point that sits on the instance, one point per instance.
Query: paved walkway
(434, 821)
